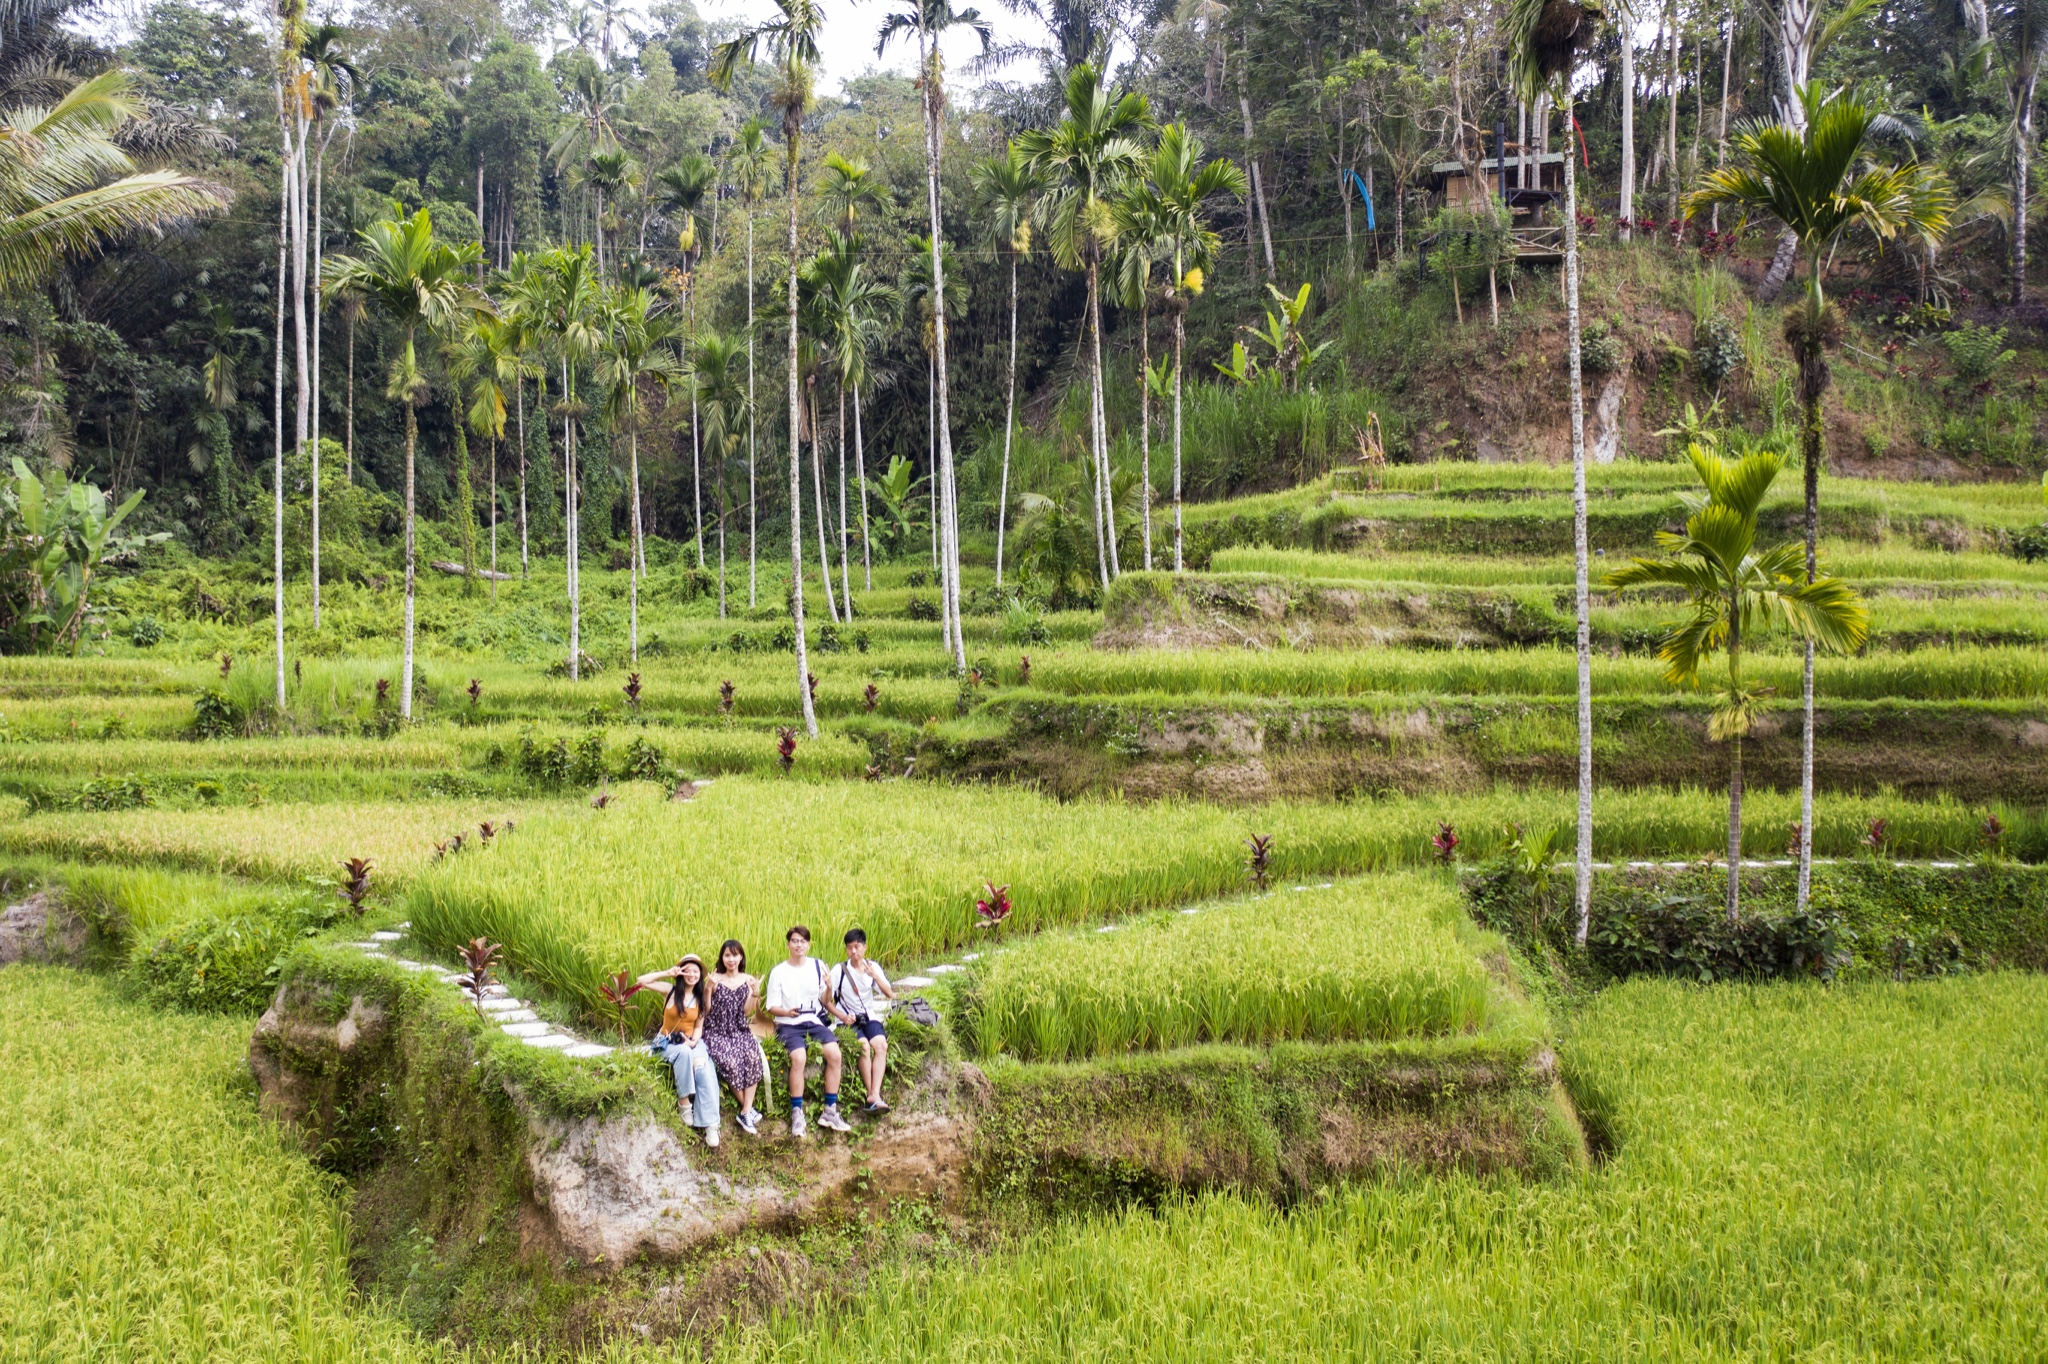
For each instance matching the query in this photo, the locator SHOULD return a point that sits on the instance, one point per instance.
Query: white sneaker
(711, 1137)
(796, 1122)
(830, 1118)
(748, 1120)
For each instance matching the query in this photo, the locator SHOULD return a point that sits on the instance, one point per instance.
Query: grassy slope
(149, 1215)
(1799, 1173)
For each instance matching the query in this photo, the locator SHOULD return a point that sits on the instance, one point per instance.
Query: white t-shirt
(856, 992)
(796, 987)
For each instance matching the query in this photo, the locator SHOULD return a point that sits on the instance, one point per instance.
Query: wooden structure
(1531, 183)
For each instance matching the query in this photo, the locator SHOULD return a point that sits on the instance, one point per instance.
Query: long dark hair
(679, 993)
(732, 945)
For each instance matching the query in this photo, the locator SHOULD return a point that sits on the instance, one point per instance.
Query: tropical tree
(747, 158)
(1815, 180)
(930, 20)
(1545, 38)
(848, 185)
(1144, 233)
(1086, 158)
(716, 366)
(1178, 184)
(1006, 191)
(330, 80)
(793, 41)
(1739, 590)
(680, 189)
(485, 357)
(2019, 31)
(855, 310)
(637, 349)
(921, 297)
(417, 282)
(54, 535)
(567, 306)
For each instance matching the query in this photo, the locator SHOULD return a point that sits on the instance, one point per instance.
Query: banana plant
(53, 537)
(1242, 369)
(1293, 356)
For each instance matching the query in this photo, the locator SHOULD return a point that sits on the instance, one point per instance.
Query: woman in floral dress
(734, 1049)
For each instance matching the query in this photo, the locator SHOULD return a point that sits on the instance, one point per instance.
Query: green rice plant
(1371, 958)
(1793, 1172)
(151, 1214)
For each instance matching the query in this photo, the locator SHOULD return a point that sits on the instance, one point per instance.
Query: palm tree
(680, 189)
(1814, 180)
(855, 312)
(637, 346)
(816, 335)
(1144, 229)
(1545, 38)
(597, 110)
(485, 355)
(1087, 157)
(1178, 183)
(2021, 39)
(570, 300)
(1006, 191)
(720, 392)
(1738, 590)
(920, 294)
(612, 172)
(417, 281)
(848, 186)
(748, 160)
(331, 79)
(929, 20)
(793, 40)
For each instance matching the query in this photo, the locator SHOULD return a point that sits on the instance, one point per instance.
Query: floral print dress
(728, 1038)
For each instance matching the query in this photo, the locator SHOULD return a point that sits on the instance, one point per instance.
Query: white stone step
(585, 1050)
(515, 1016)
(386, 936)
(947, 968)
(553, 1041)
(916, 982)
(534, 1029)
(497, 1004)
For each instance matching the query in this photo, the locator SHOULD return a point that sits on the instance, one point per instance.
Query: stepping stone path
(514, 1017)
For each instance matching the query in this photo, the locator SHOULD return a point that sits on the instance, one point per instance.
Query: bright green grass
(146, 1212)
(1970, 673)
(1803, 1173)
(578, 893)
(1370, 958)
(1871, 570)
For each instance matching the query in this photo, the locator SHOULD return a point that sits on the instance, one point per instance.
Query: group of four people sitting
(705, 1035)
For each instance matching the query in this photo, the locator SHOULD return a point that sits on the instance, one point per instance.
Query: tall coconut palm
(569, 303)
(930, 20)
(637, 351)
(331, 79)
(812, 319)
(921, 297)
(1815, 179)
(597, 111)
(849, 185)
(679, 190)
(1144, 234)
(1006, 190)
(418, 282)
(1737, 591)
(293, 89)
(482, 357)
(1179, 183)
(716, 366)
(856, 309)
(1545, 38)
(521, 312)
(1086, 158)
(747, 158)
(793, 41)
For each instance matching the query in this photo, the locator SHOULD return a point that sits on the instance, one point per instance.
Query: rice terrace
(766, 680)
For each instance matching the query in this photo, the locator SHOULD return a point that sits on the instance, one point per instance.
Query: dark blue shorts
(799, 1036)
(870, 1028)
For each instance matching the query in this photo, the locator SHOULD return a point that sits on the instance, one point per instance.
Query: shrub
(146, 633)
(114, 793)
(922, 608)
(1716, 350)
(1977, 353)
(828, 640)
(214, 716)
(785, 638)
(1600, 350)
(643, 761)
(587, 766)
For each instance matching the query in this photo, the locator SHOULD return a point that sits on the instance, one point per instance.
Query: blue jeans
(696, 1079)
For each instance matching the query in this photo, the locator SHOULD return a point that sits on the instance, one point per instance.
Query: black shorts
(799, 1036)
(870, 1028)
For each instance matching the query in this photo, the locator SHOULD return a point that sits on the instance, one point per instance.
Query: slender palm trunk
(284, 215)
(1581, 589)
(1626, 209)
(818, 509)
(1671, 115)
(860, 469)
(573, 565)
(1009, 428)
(696, 441)
(348, 452)
(949, 578)
(519, 389)
(319, 217)
(845, 554)
(1145, 425)
(796, 480)
(1812, 382)
(1101, 419)
(494, 520)
(1735, 764)
(722, 509)
(639, 565)
(931, 450)
(412, 438)
(1179, 341)
(2023, 138)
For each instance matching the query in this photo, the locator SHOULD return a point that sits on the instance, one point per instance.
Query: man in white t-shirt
(798, 997)
(858, 989)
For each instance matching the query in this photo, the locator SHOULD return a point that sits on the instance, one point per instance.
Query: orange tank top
(685, 1022)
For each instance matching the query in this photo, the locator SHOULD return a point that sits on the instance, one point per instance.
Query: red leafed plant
(632, 690)
(476, 691)
(383, 690)
(785, 749)
(1260, 863)
(994, 907)
(869, 696)
(479, 955)
(725, 697)
(1445, 843)
(1992, 832)
(811, 681)
(1879, 836)
(356, 887)
(616, 991)
(603, 797)
(227, 664)
(1798, 839)
(487, 831)
(1024, 670)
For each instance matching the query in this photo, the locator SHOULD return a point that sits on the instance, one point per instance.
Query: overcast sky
(850, 28)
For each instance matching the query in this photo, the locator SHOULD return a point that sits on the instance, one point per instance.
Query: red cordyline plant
(725, 691)
(356, 887)
(479, 955)
(870, 696)
(994, 907)
(1798, 839)
(785, 749)
(1445, 843)
(1992, 832)
(487, 831)
(1879, 836)
(1260, 863)
(632, 690)
(476, 691)
(603, 798)
(227, 664)
(616, 991)
(811, 681)
(383, 690)
(1024, 670)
